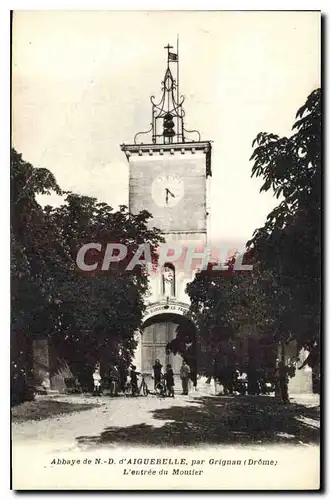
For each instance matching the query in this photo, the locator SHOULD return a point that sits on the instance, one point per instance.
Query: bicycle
(143, 387)
(160, 388)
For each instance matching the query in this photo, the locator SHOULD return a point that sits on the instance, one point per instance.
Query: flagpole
(178, 85)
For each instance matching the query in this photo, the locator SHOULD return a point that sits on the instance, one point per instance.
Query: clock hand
(171, 193)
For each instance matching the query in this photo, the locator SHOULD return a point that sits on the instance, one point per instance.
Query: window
(168, 280)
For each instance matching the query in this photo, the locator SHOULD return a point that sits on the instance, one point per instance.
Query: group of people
(119, 378)
(163, 382)
(116, 376)
(167, 380)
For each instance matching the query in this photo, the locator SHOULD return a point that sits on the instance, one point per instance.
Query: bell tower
(169, 167)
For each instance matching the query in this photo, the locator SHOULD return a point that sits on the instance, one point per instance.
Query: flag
(172, 57)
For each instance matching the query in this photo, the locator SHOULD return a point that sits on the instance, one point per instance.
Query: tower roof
(167, 126)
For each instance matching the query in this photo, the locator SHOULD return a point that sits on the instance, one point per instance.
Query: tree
(99, 311)
(30, 302)
(88, 317)
(233, 324)
(289, 243)
(280, 299)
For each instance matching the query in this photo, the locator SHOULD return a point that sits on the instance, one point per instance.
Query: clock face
(167, 190)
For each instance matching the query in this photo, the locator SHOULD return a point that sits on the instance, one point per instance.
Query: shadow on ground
(214, 420)
(41, 410)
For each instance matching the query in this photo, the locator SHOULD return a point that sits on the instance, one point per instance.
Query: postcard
(166, 250)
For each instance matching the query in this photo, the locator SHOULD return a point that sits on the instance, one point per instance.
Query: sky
(81, 83)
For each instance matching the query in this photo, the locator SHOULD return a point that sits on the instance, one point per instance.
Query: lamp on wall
(167, 304)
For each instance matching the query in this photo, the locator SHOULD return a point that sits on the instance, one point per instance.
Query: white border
(4, 149)
(167, 5)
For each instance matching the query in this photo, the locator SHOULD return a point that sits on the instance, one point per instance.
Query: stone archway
(158, 330)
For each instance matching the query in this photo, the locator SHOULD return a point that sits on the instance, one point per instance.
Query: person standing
(194, 378)
(123, 376)
(157, 372)
(114, 380)
(281, 390)
(170, 383)
(185, 376)
(97, 380)
(134, 380)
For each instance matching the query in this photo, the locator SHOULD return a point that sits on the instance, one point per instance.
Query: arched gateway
(160, 326)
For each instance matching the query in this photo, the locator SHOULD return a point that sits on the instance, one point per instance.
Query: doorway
(156, 335)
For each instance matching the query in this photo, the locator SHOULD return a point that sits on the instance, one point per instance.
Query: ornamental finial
(167, 125)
